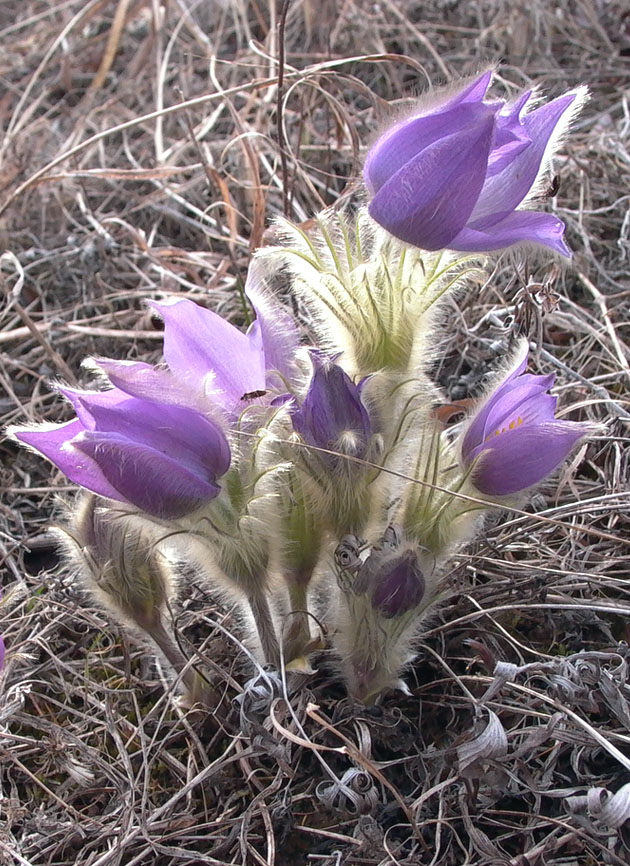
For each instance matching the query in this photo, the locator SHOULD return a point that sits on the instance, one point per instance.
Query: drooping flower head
(514, 441)
(453, 176)
(164, 459)
(153, 440)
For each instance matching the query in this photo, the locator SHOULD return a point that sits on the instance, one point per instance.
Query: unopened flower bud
(117, 551)
(332, 416)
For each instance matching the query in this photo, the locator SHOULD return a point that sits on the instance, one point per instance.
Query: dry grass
(140, 156)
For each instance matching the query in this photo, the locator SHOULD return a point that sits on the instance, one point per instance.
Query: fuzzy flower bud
(514, 440)
(120, 563)
(162, 458)
(398, 585)
(453, 174)
(385, 591)
(332, 415)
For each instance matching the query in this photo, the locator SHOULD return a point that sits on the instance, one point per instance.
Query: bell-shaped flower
(453, 175)
(514, 441)
(212, 362)
(332, 415)
(162, 458)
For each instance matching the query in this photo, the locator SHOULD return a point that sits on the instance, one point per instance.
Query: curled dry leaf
(601, 807)
(487, 744)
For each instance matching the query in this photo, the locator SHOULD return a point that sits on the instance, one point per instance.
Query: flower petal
(149, 479)
(522, 226)
(505, 400)
(407, 140)
(185, 434)
(503, 192)
(54, 442)
(522, 403)
(520, 458)
(429, 200)
(198, 341)
(473, 92)
(274, 329)
(145, 381)
(511, 137)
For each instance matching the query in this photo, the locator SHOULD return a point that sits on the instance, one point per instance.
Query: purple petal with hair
(522, 226)
(184, 434)
(146, 381)
(514, 441)
(393, 151)
(503, 192)
(149, 479)
(510, 138)
(453, 175)
(162, 458)
(198, 342)
(332, 411)
(54, 443)
(522, 457)
(506, 402)
(473, 92)
(274, 329)
(427, 207)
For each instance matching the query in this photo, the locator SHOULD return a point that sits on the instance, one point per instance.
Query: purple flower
(391, 576)
(332, 414)
(211, 362)
(398, 584)
(514, 440)
(162, 458)
(453, 176)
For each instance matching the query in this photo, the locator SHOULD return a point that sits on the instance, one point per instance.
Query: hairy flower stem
(196, 687)
(297, 641)
(261, 612)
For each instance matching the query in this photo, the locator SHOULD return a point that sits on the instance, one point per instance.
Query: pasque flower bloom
(453, 175)
(514, 440)
(210, 361)
(152, 440)
(162, 458)
(332, 414)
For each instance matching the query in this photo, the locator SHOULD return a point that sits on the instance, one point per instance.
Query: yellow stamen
(511, 426)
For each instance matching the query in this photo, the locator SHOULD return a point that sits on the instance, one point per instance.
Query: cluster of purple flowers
(166, 439)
